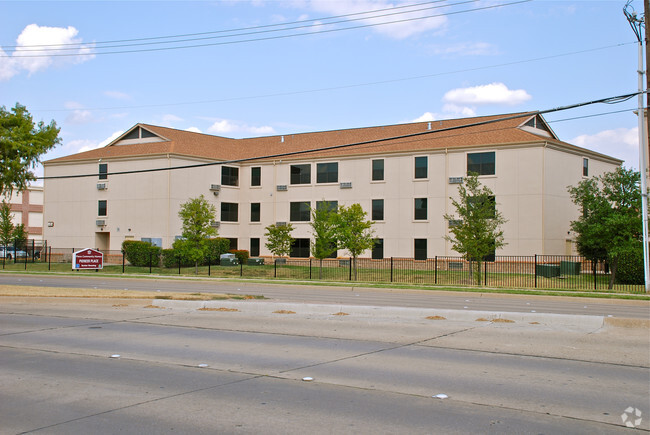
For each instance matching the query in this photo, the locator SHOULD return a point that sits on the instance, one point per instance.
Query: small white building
(402, 175)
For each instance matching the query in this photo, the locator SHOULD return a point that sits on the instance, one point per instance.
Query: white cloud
(32, 55)
(467, 49)
(399, 30)
(169, 119)
(426, 116)
(79, 146)
(117, 95)
(622, 143)
(194, 130)
(494, 93)
(228, 127)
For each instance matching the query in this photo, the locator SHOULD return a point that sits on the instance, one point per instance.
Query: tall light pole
(637, 25)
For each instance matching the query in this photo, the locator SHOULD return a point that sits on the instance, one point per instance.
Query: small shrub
(141, 254)
(216, 247)
(630, 267)
(241, 255)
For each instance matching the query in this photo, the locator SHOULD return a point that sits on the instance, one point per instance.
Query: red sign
(87, 259)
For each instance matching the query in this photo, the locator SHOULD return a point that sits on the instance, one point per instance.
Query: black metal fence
(536, 271)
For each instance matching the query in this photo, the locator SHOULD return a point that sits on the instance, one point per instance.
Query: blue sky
(295, 69)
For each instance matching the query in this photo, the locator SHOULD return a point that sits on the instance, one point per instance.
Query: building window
(300, 248)
(328, 205)
(585, 167)
(299, 211)
(256, 176)
(378, 249)
(491, 200)
(481, 163)
(421, 167)
(300, 174)
(420, 249)
(233, 244)
(103, 171)
(378, 170)
(327, 172)
(229, 176)
(377, 209)
(102, 208)
(255, 212)
(420, 212)
(229, 212)
(255, 247)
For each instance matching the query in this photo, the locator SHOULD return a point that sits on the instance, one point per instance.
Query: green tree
(323, 225)
(610, 224)
(6, 226)
(476, 233)
(21, 145)
(353, 232)
(197, 215)
(19, 236)
(278, 239)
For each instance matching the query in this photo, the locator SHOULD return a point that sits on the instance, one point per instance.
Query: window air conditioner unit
(280, 224)
(281, 188)
(346, 185)
(101, 186)
(215, 224)
(455, 222)
(100, 222)
(215, 187)
(455, 180)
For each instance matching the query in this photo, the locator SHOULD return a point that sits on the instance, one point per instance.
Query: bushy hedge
(630, 267)
(216, 247)
(141, 254)
(241, 255)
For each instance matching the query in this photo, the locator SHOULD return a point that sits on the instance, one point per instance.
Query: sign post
(87, 259)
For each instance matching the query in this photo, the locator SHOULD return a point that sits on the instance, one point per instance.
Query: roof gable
(137, 134)
(537, 125)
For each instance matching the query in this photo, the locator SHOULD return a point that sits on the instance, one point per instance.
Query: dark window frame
(377, 172)
(103, 171)
(585, 167)
(420, 209)
(256, 211)
(378, 249)
(300, 174)
(229, 212)
(421, 167)
(229, 176)
(420, 252)
(102, 207)
(377, 210)
(256, 176)
(254, 247)
(333, 205)
(327, 172)
(483, 163)
(300, 248)
(300, 211)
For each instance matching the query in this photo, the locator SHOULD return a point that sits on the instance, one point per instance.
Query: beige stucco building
(402, 175)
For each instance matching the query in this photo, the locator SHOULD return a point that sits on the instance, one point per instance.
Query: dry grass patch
(482, 319)
(119, 305)
(436, 318)
(340, 313)
(503, 321)
(284, 312)
(153, 306)
(62, 292)
(534, 323)
(223, 309)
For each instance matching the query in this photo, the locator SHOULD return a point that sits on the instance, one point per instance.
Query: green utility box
(228, 260)
(569, 268)
(256, 262)
(547, 270)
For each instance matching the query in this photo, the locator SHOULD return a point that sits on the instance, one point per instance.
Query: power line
(268, 38)
(619, 98)
(349, 86)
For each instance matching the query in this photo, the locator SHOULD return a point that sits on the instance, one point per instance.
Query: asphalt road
(105, 367)
(354, 295)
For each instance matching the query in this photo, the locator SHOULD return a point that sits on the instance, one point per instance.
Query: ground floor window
(420, 249)
(233, 243)
(378, 249)
(300, 248)
(255, 247)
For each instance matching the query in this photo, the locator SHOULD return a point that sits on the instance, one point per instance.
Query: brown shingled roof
(486, 130)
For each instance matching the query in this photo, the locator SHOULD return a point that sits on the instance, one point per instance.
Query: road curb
(404, 313)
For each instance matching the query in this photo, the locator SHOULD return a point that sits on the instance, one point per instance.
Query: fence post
(179, 264)
(241, 269)
(594, 267)
(25, 258)
(149, 262)
(49, 258)
(485, 263)
(435, 271)
(535, 271)
(209, 263)
(309, 268)
(350, 268)
(391, 269)
(275, 268)
(123, 262)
